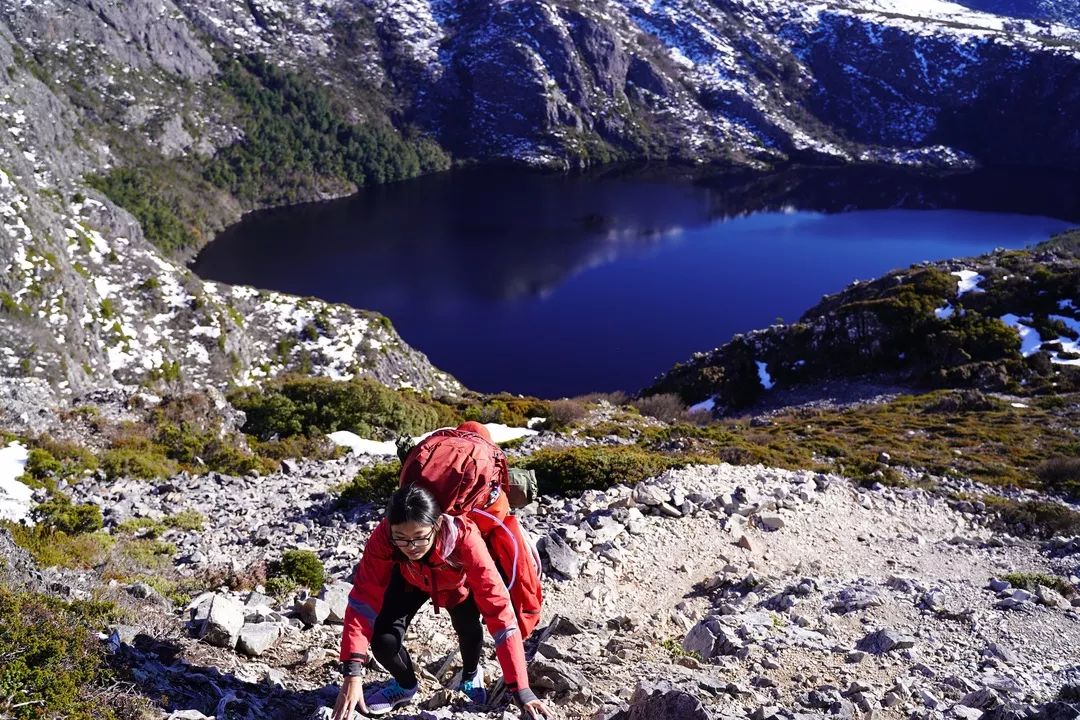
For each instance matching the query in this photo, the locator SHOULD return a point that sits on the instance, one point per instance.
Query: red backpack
(468, 476)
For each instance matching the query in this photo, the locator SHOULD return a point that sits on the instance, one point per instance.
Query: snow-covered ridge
(711, 86)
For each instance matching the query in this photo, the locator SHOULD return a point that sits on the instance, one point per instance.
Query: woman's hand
(535, 710)
(349, 697)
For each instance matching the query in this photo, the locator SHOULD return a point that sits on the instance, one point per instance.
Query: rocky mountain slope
(704, 592)
(746, 81)
(188, 113)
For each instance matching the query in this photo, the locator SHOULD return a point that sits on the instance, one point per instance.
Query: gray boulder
(257, 599)
(313, 611)
(223, 622)
(1050, 597)
(711, 637)
(982, 699)
(771, 522)
(855, 598)
(651, 495)
(555, 675)
(999, 652)
(661, 701)
(255, 639)
(883, 641)
(336, 596)
(561, 557)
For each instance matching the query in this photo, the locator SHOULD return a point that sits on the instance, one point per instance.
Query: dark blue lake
(558, 285)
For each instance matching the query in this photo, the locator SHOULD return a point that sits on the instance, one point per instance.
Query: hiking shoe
(474, 687)
(390, 697)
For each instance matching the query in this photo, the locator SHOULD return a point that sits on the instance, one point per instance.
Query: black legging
(400, 604)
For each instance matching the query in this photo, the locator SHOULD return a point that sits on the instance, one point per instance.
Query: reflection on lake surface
(558, 285)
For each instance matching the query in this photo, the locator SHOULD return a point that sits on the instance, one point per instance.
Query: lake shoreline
(510, 249)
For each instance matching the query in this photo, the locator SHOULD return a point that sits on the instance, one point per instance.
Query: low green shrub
(192, 446)
(149, 553)
(146, 527)
(59, 513)
(977, 336)
(965, 400)
(50, 659)
(1061, 474)
(371, 484)
(280, 586)
(1037, 517)
(298, 446)
(179, 593)
(40, 466)
(1031, 580)
(150, 528)
(668, 407)
(50, 460)
(561, 415)
(676, 650)
(55, 548)
(186, 520)
(516, 411)
(574, 470)
(139, 459)
(513, 443)
(316, 406)
(302, 567)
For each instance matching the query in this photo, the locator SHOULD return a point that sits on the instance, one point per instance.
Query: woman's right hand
(349, 697)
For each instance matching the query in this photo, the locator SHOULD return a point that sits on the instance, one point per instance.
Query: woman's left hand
(536, 710)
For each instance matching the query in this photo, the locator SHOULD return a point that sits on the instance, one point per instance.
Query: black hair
(413, 503)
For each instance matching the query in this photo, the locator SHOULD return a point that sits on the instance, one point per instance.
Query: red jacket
(459, 564)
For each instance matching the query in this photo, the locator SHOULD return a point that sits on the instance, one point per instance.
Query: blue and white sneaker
(474, 687)
(389, 698)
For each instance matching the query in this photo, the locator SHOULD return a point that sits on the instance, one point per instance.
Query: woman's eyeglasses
(418, 542)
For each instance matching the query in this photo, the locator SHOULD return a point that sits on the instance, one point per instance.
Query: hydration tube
(513, 571)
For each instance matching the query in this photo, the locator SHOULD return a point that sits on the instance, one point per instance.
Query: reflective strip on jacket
(459, 564)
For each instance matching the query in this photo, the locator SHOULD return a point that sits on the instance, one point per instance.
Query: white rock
(223, 622)
(314, 611)
(256, 639)
(336, 596)
(650, 495)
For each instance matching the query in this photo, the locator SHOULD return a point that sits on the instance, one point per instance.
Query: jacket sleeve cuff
(352, 668)
(354, 665)
(524, 695)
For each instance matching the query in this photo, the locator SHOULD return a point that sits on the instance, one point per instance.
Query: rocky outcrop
(85, 300)
(990, 322)
(692, 612)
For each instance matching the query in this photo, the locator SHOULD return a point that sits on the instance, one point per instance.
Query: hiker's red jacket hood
(459, 564)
